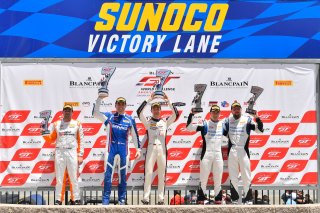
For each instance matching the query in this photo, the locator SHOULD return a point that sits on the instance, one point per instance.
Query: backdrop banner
(285, 154)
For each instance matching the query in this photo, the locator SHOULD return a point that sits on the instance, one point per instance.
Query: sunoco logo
(88, 83)
(229, 83)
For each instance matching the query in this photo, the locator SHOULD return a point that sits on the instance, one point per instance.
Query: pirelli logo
(283, 83)
(74, 104)
(33, 82)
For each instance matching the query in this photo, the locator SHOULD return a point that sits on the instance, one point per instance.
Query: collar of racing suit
(156, 120)
(214, 121)
(118, 115)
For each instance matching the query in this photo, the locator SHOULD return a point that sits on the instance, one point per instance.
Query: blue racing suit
(121, 128)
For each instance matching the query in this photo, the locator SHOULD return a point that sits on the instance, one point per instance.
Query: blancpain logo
(254, 153)
(101, 154)
(86, 104)
(194, 117)
(10, 129)
(88, 116)
(196, 154)
(40, 179)
(269, 166)
(37, 116)
(21, 167)
(290, 116)
(289, 178)
(181, 141)
(88, 83)
(87, 142)
(51, 154)
(229, 83)
(190, 179)
(90, 179)
(138, 179)
(279, 141)
(299, 153)
(171, 166)
(106, 104)
(32, 141)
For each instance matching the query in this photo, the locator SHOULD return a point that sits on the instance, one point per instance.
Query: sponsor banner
(164, 29)
(283, 154)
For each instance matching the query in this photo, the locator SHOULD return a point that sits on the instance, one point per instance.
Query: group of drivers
(121, 128)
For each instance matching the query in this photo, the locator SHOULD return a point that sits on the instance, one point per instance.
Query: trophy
(44, 124)
(256, 91)
(199, 89)
(163, 74)
(107, 72)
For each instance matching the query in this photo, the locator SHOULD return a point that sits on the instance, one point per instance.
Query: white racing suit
(211, 155)
(157, 150)
(238, 133)
(69, 145)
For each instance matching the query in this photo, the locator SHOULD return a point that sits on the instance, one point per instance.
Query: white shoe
(235, 202)
(248, 202)
(206, 202)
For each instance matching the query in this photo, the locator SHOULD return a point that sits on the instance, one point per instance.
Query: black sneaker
(160, 203)
(57, 202)
(144, 202)
(71, 202)
(77, 202)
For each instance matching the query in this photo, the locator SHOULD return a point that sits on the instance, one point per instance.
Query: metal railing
(93, 195)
